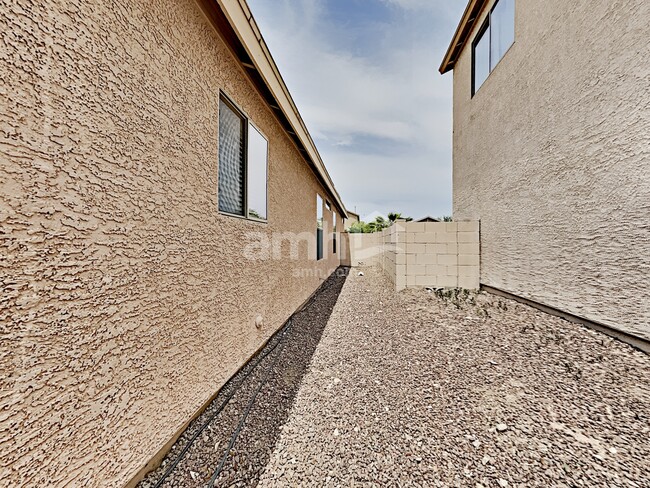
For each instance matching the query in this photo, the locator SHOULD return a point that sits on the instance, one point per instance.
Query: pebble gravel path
(254, 403)
(418, 388)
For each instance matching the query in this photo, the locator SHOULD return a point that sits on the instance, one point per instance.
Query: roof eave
(458, 42)
(245, 28)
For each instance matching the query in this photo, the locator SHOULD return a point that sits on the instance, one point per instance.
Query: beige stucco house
(551, 151)
(428, 218)
(155, 180)
(353, 218)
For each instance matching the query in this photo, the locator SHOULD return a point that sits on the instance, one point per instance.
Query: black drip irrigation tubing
(226, 400)
(196, 435)
(235, 434)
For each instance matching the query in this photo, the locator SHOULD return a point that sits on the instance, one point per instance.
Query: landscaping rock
(279, 368)
(463, 389)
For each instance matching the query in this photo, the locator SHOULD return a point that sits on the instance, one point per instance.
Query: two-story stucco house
(551, 151)
(150, 154)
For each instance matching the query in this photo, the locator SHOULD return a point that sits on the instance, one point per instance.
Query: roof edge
(243, 24)
(472, 12)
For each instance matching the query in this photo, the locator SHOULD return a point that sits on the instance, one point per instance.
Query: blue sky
(364, 74)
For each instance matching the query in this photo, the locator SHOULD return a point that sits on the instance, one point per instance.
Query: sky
(364, 75)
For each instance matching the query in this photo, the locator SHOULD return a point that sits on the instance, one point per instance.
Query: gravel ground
(419, 389)
(276, 371)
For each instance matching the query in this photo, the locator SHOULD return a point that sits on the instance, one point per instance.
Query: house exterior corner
(551, 153)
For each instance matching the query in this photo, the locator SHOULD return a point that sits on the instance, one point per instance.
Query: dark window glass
(319, 244)
(231, 160)
(481, 59)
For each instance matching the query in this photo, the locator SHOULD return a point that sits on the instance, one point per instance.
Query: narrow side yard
(415, 389)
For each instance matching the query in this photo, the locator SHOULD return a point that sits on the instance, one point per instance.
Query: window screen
(257, 169)
(231, 160)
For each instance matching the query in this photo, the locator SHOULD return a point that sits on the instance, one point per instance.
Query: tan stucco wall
(126, 298)
(553, 156)
(352, 219)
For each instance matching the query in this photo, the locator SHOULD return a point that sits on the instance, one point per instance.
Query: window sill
(243, 217)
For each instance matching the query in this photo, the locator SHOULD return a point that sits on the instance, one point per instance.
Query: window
(243, 164)
(257, 169)
(319, 227)
(481, 58)
(232, 132)
(502, 30)
(334, 233)
(492, 41)
(328, 206)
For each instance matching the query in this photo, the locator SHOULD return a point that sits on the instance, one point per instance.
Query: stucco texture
(127, 300)
(553, 156)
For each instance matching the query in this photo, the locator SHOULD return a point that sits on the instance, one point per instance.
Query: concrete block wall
(441, 254)
(388, 251)
(423, 254)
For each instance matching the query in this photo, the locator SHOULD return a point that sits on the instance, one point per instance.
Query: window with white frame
(243, 164)
(334, 232)
(319, 227)
(494, 38)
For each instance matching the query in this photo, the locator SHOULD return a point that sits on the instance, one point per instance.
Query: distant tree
(357, 228)
(394, 216)
(446, 218)
(377, 225)
(374, 226)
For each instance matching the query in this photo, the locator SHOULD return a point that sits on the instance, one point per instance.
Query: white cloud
(413, 4)
(380, 115)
